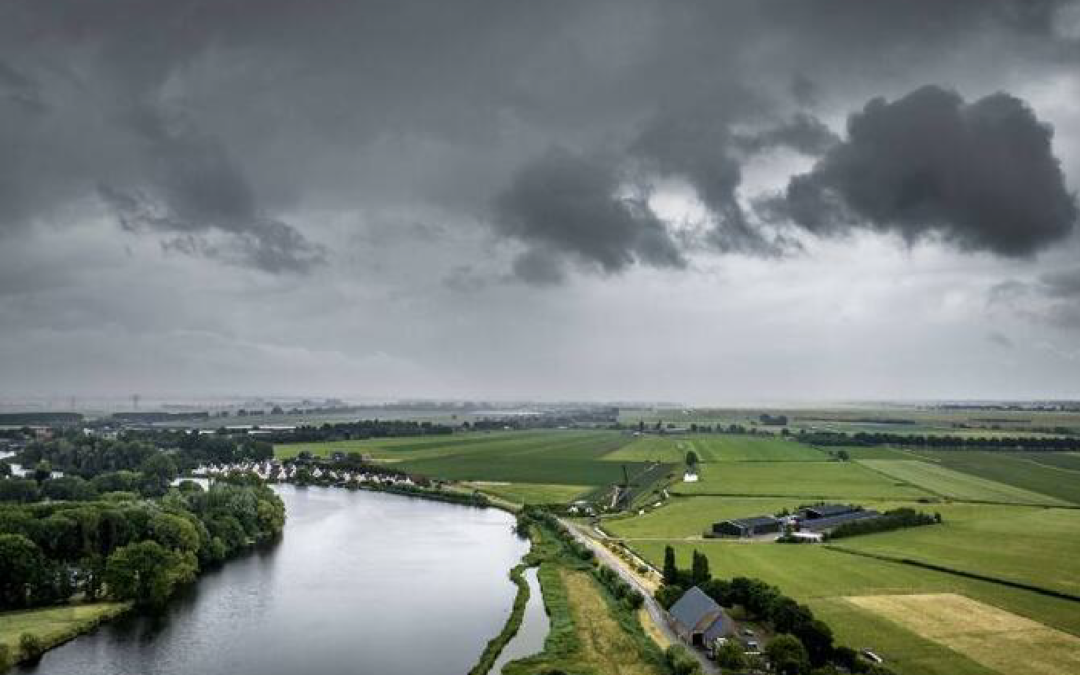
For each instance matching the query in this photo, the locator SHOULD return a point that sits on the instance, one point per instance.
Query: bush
(668, 595)
(680, 661)
(5, 658)
(31, 647)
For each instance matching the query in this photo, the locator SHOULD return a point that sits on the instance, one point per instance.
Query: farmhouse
(747, 527)
(698, 620)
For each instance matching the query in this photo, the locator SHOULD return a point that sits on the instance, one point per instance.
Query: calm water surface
(362, 582)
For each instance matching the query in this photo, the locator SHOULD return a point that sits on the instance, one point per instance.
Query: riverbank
(53, 626)
(591, 629)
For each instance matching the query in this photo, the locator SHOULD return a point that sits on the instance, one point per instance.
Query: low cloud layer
(981, 176)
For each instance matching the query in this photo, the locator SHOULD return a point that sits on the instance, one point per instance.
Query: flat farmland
(1070, 461)
(1015, 469)
(824, 579)
(804, 480)
(1031, 545)
(532, 493)
(751, 448)
(942, 480)
(681, 517)
(537, 457)
(717, 448)
(1000, 640)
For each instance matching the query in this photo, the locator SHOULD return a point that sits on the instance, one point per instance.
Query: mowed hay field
(1055, 474)
(805, 480)
(1002, 641)
(948, 483)
(560, 457)
(825, 579)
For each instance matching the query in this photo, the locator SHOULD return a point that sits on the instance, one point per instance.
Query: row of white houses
(275, 472)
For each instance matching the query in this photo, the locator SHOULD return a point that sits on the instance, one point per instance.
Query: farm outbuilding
(826, 510)
(823, 524)
(747, 527)
(698, 620)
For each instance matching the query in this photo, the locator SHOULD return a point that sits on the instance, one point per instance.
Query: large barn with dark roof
(698, 620)
(747, 527)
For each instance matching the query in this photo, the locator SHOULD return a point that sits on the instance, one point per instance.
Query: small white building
(690, 477)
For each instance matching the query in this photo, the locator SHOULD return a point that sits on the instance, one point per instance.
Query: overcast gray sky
(710, 202)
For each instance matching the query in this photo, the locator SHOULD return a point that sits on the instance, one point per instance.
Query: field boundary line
(1061, 595)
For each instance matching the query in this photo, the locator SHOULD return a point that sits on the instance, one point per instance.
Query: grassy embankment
(591, 632)
(55, 625)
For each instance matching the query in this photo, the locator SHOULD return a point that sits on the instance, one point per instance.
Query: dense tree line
(127, 547)
(890, 520)
(803, 644)
(943, 442)
(361, 429)
(90, 456)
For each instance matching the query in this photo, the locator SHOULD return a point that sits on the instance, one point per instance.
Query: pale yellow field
(1002, 641)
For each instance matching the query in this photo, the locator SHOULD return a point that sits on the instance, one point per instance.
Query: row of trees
(803, 643)
(943, 442)
(128, 547)
(362, 429)
(890, 520)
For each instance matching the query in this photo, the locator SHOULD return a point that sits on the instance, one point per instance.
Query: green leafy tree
(788, 655)
(730, 656)
(691, 460)
(21, 570)
(147, 572)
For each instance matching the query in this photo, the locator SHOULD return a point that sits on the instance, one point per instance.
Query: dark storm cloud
(569, 204)
(194, 186)
(283, 103)
(802, 133)
(1052, 298)
(981, 176)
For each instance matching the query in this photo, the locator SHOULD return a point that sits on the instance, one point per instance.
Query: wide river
(362, 582)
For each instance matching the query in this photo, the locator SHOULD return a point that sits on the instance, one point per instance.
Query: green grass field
(54, 624)
(532, 493)
(806, 480)
(537, 457)
(1070, 461)
(944, 481)
(1016, 469)
(717, 448)
(1030, 545)
(682, 517)
(822, 578)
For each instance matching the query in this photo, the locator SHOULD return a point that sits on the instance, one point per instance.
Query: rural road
(656, 612)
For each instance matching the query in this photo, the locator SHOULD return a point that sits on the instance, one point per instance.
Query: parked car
(871, 656)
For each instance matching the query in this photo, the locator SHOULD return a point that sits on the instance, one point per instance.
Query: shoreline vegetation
(52, 626)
